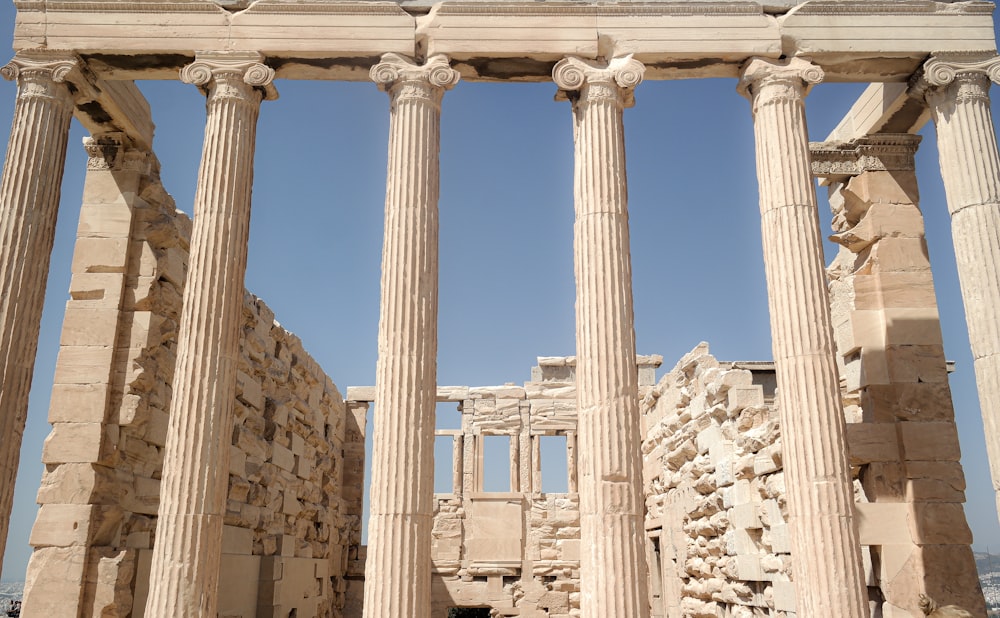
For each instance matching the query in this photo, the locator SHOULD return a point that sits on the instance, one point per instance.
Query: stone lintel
(879, 152)
(871, 41)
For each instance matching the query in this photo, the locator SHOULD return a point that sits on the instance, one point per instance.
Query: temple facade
(201, 463)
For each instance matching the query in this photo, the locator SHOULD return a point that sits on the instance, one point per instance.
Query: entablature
(853, 40)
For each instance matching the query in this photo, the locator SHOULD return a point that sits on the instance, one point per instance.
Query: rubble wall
(716, 514)
(284, 533)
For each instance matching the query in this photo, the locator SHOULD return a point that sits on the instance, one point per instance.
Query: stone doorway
(469, 612)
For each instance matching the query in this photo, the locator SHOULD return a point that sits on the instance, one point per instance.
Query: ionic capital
(231, 75)
(943, 69)
(580, 79)
(42, 74)
(401, 77)
(765, 79)
(970, 75)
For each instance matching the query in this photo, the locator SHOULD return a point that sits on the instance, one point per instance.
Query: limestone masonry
(202, 464)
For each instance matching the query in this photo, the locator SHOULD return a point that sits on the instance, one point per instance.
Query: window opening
(444, 464)
(554, 464)
(496, 463)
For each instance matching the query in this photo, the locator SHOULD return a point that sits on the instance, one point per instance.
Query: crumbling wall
(716, 513)
(285, 530)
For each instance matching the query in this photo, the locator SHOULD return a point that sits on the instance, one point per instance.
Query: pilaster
(901, 433)
(397, 573)
(613, 578)
(827, 571)
(29, 202)
(186, 554)
(957, 91)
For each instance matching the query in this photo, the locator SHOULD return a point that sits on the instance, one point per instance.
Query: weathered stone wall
(716, 512)
(516, 551)
(285, 530)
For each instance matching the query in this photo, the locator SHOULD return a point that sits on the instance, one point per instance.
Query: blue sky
(506, 291)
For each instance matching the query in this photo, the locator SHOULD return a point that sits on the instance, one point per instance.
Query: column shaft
(825, 543)
(970, 166)
(29, 201)
(187, 551)
(612, 569)
(397, 573)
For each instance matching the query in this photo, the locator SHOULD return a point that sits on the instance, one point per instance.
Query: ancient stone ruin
(201, 463)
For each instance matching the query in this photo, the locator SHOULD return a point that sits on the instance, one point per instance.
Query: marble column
(827, 566)
(957, 92)
(613, 580)
(184, 575)
(29, 201)
(398, 569)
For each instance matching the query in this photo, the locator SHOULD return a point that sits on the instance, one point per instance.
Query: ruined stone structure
(201, 463)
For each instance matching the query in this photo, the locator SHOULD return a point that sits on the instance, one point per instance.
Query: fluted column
(398, 569)
(957, 91)
(612, 558)
(29, 201)
(825, 544)
(186, 555)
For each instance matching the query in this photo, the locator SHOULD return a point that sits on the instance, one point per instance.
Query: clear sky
(507, 290)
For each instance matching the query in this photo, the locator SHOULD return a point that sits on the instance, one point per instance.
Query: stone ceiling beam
(882, 108)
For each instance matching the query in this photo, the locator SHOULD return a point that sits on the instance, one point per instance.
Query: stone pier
(957, 92)
(29, 200)
(820, 495)
(399, 531)
(612, 569)
(188, 547)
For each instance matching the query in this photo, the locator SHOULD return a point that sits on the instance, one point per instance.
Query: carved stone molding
(38, 73)
(402, 77)
(784, 80)
(112, 151)
(590, 79)
(233, 74)
(879, 152)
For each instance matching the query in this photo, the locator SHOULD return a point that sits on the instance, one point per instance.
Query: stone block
(54, 581)
(748, 568)
(104, 215)
(744, 516)
(916, 364)
(237, 541)
(930, 441)
(939, 523)
(96, 289)
(868, 442)
(76, 483)
(282, 457)
(84, 365)
(249, 391)
(89, 326)
(883, 523)
(784, 596)
(75, 443)
(900, 255)
(238, 585)
(781, 541)
(78, 403)
(65, 525)
(889, 194)
(101, 255)
(922, 402)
